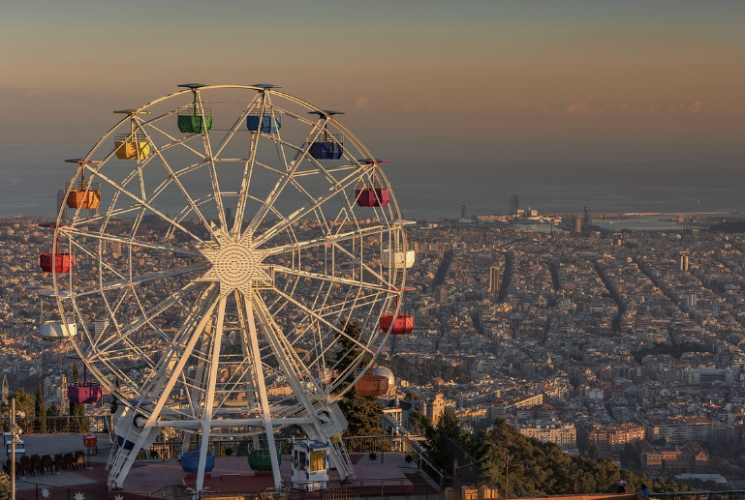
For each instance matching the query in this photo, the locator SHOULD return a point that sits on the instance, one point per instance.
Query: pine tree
(114, 400)
(77, 409)
(346, 355)
(40, 410)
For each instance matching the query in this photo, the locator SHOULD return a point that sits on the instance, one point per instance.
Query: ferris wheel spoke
(321, 319)
(106, 286)
(177, 354)
(285, 176)
(151, 314)
(357, 234)
(302, 212)
(183, 142)
(248, 169)
(74, 231)
(175, 179)
(236, 125)
(90, 254)
(333, 279)
(293, 369)
(245, 331)
(212, 173)
(146, 205)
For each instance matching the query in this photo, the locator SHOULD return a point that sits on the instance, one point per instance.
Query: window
(316, 460)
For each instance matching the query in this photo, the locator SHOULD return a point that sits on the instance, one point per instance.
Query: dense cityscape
(624, 345)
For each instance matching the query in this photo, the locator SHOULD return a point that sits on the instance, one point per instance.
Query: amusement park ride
(228, 260)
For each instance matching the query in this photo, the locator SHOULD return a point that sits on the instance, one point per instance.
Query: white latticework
(227, 268)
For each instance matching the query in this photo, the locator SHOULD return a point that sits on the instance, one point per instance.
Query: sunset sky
(478, 66)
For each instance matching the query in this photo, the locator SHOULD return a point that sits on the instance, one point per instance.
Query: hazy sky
(473, 67)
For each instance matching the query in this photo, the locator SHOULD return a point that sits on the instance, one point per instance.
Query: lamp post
(15, 436)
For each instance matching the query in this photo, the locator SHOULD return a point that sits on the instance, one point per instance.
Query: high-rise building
(442, 296)
(514, 204)
(577, 224)
(684, 262)
(495, 279)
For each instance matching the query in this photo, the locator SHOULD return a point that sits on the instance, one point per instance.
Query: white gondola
(49, 329)
(399, 260)
(52, 330)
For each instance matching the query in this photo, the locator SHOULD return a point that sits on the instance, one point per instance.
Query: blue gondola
(327, 146)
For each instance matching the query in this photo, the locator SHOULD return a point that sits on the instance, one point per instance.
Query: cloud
(361, 102)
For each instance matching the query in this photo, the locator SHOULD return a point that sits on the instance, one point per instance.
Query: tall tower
(495, 279)
(588, 221)
(514, 204)
(463, 211)
(5, 390)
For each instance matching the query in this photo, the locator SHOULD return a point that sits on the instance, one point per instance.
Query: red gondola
(372, 195)
(84, 392)
(401, 323)
(56, 262)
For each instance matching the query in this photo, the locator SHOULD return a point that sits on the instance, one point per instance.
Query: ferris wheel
(234, 258)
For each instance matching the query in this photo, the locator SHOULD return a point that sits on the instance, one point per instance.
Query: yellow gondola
(132, 146)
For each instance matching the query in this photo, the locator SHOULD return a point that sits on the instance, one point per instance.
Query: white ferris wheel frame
(219, 282)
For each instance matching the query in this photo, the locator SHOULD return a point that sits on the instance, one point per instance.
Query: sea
(434, 174)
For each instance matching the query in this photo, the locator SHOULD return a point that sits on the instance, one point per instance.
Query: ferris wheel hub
(235, 265)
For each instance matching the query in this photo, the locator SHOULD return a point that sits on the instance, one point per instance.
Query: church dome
(385, 372)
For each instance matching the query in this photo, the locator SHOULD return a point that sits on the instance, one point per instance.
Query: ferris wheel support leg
(163, 386)
(264, 400)
(195, 393)
(316, 429)
(210, 399)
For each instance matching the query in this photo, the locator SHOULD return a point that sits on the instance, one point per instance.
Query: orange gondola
(372, 385)
(83, 195)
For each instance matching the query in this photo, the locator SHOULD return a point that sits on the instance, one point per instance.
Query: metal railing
(60, 424)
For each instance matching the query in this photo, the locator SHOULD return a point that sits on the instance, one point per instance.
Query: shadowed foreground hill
(534, 468)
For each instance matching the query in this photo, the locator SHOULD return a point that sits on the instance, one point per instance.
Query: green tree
(5, 491)
(446, 440)
(363, 414)
(421, 422)
(77, 410)
(114, 400)
(411, 396)
(40, 410)
(54, 424)
(347, 355)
